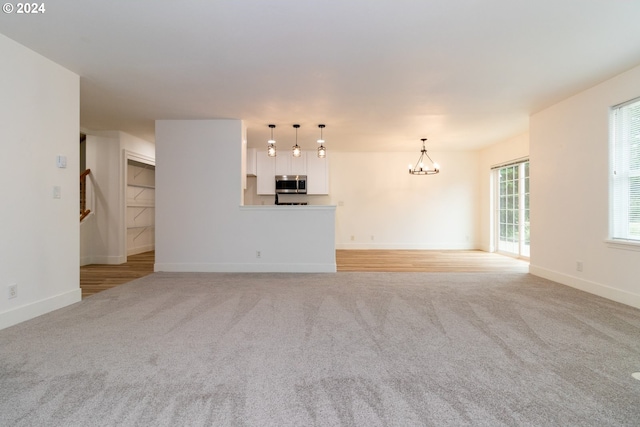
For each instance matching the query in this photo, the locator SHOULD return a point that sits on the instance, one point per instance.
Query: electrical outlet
(372, 237)
(13, 291)
(579, 265)
(258, 254)
(353, 238)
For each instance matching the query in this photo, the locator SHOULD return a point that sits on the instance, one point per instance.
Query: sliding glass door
(512, 209)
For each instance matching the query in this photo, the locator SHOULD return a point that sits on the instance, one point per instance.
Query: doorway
(140, 207)
(511, 222)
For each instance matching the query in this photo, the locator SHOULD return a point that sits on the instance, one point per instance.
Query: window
(625, 172)
(512, 208)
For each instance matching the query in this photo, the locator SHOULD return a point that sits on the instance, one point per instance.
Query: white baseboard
(245, 268)
(114, 260)
(617, 295)
(38, 308)
(391, 246)
(141, 249)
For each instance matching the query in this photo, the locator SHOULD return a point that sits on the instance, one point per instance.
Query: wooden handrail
(84, 214)
(83, 195)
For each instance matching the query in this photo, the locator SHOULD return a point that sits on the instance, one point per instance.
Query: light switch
(57, 192)
(61, 161)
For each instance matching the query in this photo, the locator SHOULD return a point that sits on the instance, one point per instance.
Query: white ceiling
(380, 74)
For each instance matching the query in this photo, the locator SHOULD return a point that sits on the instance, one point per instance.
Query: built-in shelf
(140, 202)
(141, 186)
(137, 204)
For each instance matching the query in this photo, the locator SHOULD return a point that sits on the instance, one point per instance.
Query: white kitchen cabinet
(317, 174)
(265, 172)
(286, 164)
(252, 164)
(299, 164)
(308, 163)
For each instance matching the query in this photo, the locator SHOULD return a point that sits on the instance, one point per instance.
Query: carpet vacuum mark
(343, 349)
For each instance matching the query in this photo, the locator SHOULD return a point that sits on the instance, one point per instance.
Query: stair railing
(84, 211)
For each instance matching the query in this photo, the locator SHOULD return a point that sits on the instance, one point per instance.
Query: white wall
(39, 247)
(103, 233)
(103, 224)
(494, 155)
(376, 196)
(200, 223)
(138, 146)
(569, 194)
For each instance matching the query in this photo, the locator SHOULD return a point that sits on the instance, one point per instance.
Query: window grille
(625, 171)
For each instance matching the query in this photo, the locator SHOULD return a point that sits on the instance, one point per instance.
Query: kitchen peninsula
(294, 238)
(201, 222)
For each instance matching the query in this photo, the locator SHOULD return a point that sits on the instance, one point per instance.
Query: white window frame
(624, 129)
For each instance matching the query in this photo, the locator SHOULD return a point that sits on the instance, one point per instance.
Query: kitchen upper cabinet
(308, 163)
(317, 174)
(266, 172)
(252, 164)
(286, 164)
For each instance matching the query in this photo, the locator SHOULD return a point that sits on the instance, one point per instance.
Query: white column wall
(200, 223)
(39, 243)
(570, 193)
(197, 188)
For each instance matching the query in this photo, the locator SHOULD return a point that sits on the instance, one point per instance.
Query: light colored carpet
(351, 349)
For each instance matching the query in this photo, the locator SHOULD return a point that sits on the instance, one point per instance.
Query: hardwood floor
(427, 261)
(98, 277)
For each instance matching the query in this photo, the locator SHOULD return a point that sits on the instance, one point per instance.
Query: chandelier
(420, 168)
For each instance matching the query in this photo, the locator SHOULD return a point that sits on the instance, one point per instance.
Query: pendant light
(322, 151)
(420, 168)
(296, 148)
(271, 144)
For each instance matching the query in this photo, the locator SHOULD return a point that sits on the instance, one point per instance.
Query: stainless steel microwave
(291, 184)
